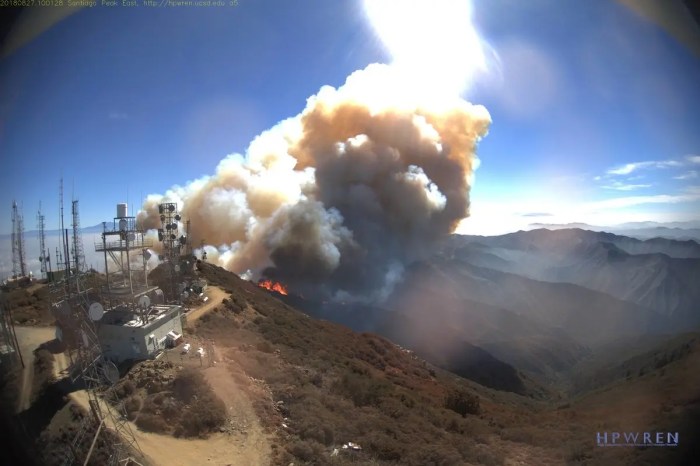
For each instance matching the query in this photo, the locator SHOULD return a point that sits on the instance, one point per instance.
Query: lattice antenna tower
(71, 302)
(8, 337)
(188, 241)
(78, 252)
(77, 307)
(97, 374)
(44, 256)
(19, 264)
(60, 218)
(172, 243)
(15, 255)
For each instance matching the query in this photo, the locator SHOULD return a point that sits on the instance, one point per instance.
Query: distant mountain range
(516, 311)
(35, 233)
(660, 275)
(640, 230)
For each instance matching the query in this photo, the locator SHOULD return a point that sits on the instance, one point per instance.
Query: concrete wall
(120, 342)
(159, 329)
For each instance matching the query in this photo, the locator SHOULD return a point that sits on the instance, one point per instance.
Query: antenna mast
(44, 256)
(78, 253)
(19, 265)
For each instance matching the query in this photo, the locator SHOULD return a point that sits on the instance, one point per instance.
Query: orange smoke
(273, 286)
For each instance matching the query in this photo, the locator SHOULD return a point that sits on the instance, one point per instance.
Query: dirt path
(252, 444)
(29, 339)
(216, 295)
(244, 444)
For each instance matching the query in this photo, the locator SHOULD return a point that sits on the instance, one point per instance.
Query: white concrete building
(124, 334)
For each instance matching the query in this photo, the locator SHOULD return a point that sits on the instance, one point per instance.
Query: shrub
(43, 372)
(148, 406)
(577, 453)
(434, 455)
(203, 416)
(265, 347)
(306, 450)
(462, 403)
(317, 380)
(124, 389)
(187, 383)
(362, 390)
(385, 447)
(152, 423)
(133, 404)
(170, 409)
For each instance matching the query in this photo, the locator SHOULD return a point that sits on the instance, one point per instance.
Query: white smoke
(335, 200)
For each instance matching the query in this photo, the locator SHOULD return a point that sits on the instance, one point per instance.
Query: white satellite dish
(110, 372)
(132, 237)
(59, 334)
(144, 302)
(96, 311)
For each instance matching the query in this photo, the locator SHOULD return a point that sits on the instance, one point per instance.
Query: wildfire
(273, 286)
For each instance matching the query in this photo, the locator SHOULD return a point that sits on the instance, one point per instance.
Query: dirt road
(216, 295)
(247, 444)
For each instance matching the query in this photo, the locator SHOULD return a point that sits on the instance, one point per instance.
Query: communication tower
(9, 347)
(76, 305)
(125, 243)
(44, 255)
(19, 265)
(172, 244)
(77, 248)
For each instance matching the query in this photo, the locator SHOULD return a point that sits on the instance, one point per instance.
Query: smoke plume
(336, 200)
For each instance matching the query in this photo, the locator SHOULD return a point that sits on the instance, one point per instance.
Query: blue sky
(595, 108)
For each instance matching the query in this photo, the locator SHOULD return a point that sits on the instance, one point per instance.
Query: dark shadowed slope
(448, 348)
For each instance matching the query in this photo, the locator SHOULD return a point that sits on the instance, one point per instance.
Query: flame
(273, 286)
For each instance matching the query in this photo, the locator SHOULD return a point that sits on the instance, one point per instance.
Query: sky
(594, 107)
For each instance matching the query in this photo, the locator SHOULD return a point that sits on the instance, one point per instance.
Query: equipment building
(124, 334)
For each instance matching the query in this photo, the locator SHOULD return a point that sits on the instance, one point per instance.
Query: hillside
(332, 386)
(336, 386)
(627, 359)
(454, 352)
(434, 313)
(297, 389)
(662, 395)
(28, 306)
